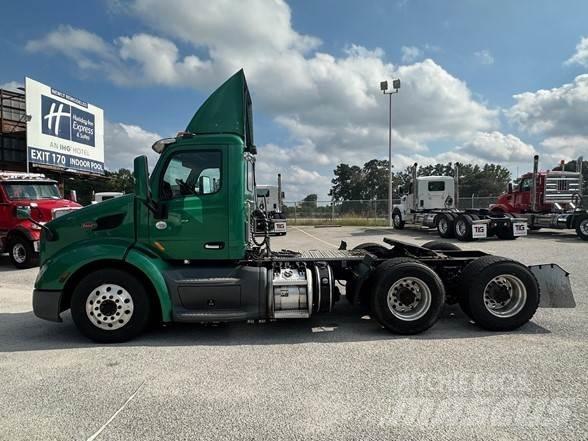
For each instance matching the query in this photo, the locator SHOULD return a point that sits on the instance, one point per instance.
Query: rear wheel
(407, 297)
(463, 228)
(582, 229)
(445, 226)
(397, 220)
(441, 245)
(110, 306)
(498, 294)
(21, 252)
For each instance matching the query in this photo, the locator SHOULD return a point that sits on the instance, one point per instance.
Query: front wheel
(397, 220)
(582, 229)
(21, 252)
(407, 297)
(499, 294)
(110, 306)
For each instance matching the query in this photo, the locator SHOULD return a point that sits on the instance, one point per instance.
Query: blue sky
(314, 70)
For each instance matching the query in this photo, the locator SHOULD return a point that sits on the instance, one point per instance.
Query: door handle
(214, 245)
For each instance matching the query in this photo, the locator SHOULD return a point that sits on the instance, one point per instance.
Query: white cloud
(555, 112)
(12, 86)
(566, 147)
(330, 104)
(484, 57)
(581, 55)
(123, 142)
(497, 147)
(411, 54)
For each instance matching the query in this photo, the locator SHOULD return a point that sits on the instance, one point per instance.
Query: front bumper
(47, 304)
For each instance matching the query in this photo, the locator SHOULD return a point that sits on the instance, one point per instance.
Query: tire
(373, 248)
(445, 226)
(463, 228)
(407, 278)
(499, 294)
(397, 220)
(441, 245)
(582, 229)
(21, 252)
(110, 293)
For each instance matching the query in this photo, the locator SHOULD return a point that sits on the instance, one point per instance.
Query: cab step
(183, 315)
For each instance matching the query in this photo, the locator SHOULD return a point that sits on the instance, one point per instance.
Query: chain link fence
(360, 212)
(356, 212)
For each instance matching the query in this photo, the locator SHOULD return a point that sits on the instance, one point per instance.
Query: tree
(347, 183)
(309, 201)
(371, 181)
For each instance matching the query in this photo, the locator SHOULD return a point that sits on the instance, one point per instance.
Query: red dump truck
(41, 197)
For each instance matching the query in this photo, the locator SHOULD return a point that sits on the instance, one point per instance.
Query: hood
(42, 210)
(226, 111)
(111, 219)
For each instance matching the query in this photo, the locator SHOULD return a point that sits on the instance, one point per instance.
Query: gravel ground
(282, 381)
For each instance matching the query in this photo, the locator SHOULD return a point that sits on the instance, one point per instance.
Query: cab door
(192, 194)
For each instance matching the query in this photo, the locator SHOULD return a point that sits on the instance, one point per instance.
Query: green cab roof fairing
(227, 111)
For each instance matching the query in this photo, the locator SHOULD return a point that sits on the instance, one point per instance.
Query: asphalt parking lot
(281, 380)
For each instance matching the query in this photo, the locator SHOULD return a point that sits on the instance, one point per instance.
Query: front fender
(57, 270)
(152, 267)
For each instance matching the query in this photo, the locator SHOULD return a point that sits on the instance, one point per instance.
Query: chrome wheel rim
(443, 225)
(409, 298)
(396, 219)
(109, 307)
(505, 296)
(19, 253)
(460, 228)
(584, 226)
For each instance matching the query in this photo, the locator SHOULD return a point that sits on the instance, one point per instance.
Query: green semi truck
(182, 248)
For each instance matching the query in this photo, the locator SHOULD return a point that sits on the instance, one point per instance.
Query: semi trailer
(547, 199)
(182, 249)
(431, 202)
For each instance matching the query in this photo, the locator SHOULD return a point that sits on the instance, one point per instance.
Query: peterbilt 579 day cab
(431, 202)
(181, 249)
(39, 196)
(547, 199)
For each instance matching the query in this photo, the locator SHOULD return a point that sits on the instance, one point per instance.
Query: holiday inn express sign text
(63, 131)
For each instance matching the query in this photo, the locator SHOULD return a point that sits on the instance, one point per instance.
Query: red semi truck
(40, 196)
(547, 199)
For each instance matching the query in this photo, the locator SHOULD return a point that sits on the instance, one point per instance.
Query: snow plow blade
(554, 286)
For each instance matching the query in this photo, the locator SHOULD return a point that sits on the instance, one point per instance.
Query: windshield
(26, 190)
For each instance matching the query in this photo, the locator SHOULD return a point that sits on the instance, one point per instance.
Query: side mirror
(23, 213)
(141, 175)
(509, 187)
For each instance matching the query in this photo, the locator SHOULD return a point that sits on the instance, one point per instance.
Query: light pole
(384, 89)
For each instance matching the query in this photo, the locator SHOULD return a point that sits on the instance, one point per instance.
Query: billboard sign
(63, 131)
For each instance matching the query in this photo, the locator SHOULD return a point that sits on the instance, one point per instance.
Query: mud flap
(554, 286)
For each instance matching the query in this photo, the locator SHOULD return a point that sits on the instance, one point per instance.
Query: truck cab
(41, 199)
(431, 193)
(269, 199)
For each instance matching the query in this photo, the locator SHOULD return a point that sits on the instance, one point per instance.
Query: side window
(192, 173)
(250, 175)
(526, 184)
(436, 185)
